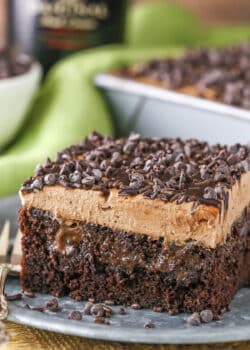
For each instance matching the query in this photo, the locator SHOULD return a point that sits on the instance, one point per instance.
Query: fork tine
(16, 253)
(4, 241)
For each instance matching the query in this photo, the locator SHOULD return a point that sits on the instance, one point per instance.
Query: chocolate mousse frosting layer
(205, 224)
(217, 74)
(170, 170)
(178, 190)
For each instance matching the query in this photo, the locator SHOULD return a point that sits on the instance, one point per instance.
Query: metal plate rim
(161, 335)
(146, 336)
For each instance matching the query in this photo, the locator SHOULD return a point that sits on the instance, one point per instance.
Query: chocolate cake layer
(157, 222)
(220, 74)
(86, 260)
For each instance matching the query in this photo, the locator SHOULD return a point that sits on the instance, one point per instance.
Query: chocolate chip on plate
(122, 311)
(194, 319)
(75, 315)
(87, 308)
(149, 325)
(97, 309)
(52, 305)
(206, 316)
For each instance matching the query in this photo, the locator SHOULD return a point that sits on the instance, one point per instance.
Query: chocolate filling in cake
(162, 223)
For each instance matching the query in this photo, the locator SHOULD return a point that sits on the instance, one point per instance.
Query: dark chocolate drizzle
(167, 169)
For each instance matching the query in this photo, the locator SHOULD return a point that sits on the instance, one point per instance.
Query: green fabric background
(68, 106)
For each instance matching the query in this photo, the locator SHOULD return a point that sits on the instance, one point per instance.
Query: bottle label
(72, 14)
(63, 22)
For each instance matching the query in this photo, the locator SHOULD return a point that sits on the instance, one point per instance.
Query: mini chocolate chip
(107, 311)
(39, 170)
(63, 180)
(137, 177)
(79, 167)
(116, 157)
(75, 315)
(128, 147)
(148, 165)
(87, 308)
(206, 316)
(47, 163)
(50, 179)
(209, 193)
(103, 164)
(122, 311)
(149, 325)
(194, 319)
(128, 192)
(97, 173)
(204, 172)
(13, 297)
(37, 184)
(136, 161)
(136, 185)
(75, 177)
(52, 305)
(97, 309)
(64, 170)
(134, 136)
(246, 164)
(88, 181)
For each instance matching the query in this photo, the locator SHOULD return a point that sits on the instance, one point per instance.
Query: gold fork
(12, 267)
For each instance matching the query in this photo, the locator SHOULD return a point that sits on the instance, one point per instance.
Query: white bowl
(16, 94)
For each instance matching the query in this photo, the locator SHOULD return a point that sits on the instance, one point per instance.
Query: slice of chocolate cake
(162, 223)
(219, 74)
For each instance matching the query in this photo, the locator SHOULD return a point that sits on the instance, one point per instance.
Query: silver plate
(154, 111)
(234, 326)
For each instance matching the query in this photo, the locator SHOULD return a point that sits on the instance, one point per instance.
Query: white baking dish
(154, 111)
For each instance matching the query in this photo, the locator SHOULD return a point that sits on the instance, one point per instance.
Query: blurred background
(66, 99)
(19, 24)
(210, 12)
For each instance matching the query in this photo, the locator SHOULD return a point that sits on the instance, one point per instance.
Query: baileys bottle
(52, 29)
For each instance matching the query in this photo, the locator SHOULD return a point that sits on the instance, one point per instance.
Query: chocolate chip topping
(226, 70)
(167, 169)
